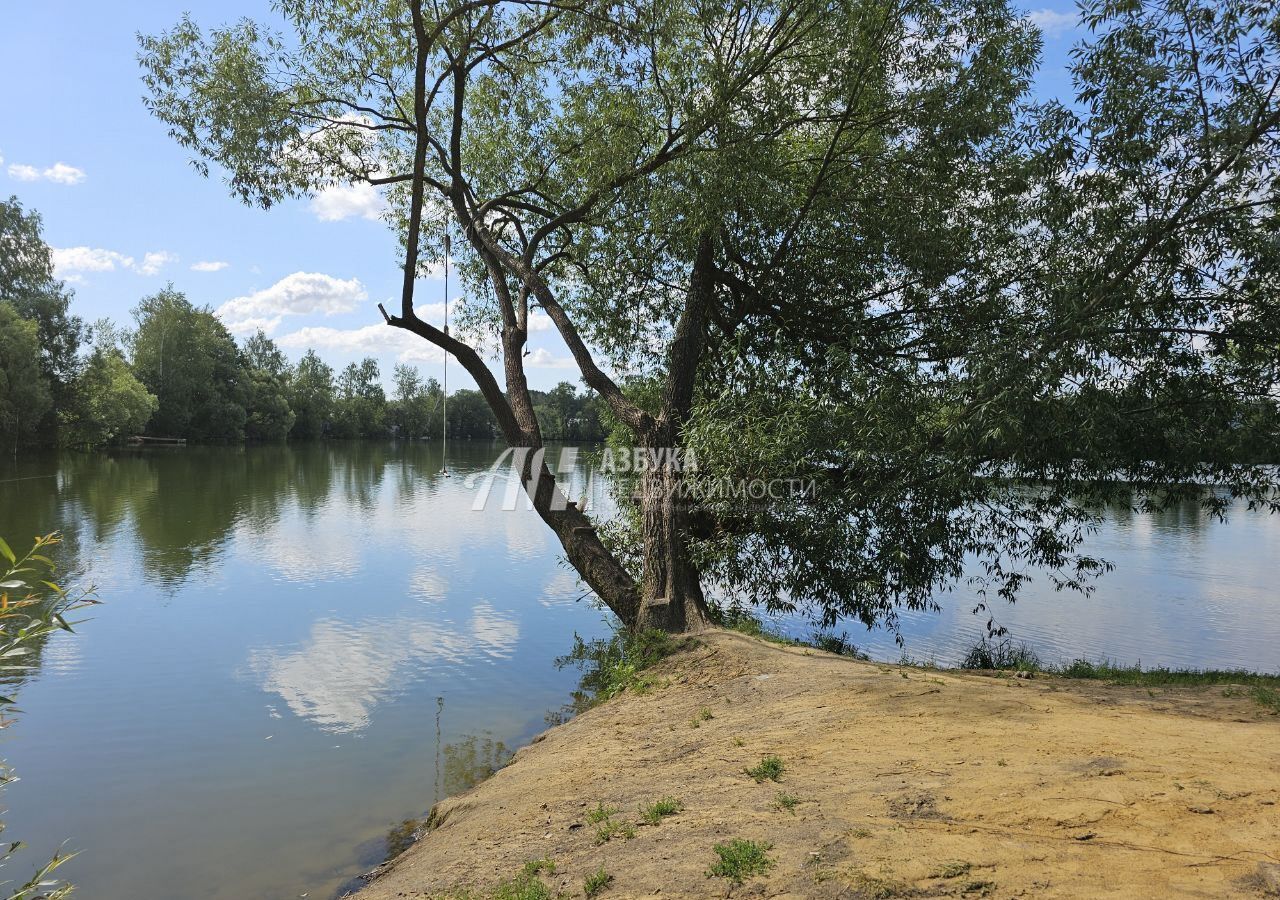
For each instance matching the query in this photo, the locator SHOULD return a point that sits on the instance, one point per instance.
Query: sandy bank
(911, 783)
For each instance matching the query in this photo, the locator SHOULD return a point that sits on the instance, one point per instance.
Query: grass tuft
(769, 769)
(596, 882)
(837, 643)
(655, 812)
(786, 801)
(611, 829)
(875, 888)
(601, 813)
(526, 885)
(953, 869)
(740, 859)
(1002, 656)
(743, 622)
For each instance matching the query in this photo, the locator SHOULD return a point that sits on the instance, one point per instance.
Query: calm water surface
(300, 647)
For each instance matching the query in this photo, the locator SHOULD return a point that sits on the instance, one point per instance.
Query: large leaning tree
(834, 241)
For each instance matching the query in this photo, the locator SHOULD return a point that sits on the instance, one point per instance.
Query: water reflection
(301, 646)
(260, 687)
(345, 669)
(470, 761)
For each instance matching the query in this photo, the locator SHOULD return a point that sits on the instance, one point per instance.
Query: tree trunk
(669, 596)
(602, 572)
(671, 590)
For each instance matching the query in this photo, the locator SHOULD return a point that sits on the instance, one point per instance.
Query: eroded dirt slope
(911, 783)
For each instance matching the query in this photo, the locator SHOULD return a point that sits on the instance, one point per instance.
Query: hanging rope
(444, 447)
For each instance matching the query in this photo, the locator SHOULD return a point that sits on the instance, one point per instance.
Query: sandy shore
(910, 782)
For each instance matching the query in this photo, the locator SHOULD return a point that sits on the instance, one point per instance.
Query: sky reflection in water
(301, 646)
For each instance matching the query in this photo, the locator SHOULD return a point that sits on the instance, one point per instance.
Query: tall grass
(1005, 656)
(32, 608)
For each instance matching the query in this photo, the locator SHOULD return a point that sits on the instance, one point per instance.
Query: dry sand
(914, 783)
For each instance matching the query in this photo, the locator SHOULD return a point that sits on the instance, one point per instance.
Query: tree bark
(671, 589)
(599, 568)
(672, 586)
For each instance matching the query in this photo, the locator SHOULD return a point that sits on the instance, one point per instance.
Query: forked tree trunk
(671, 590)
(669, 596)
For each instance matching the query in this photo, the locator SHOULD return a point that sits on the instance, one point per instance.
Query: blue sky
(126, 213)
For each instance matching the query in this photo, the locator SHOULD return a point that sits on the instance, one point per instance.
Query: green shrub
(615, 664)
(1004, 655)
(768, 769)
(658, 810)
(740, 860)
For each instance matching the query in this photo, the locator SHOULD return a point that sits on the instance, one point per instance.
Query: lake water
(300, 647)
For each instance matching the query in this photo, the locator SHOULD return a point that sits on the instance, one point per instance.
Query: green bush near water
(617, 663)
(1003, 655)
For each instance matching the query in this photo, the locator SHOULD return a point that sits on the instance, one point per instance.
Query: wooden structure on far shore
(143, 440)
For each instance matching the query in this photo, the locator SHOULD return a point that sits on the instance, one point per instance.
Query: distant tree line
(179, 373)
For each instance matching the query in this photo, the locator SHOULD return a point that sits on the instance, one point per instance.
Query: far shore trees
(832, 240)
(311, 396)
(28, 285)
(75, 386)
(109, 402)
(24, 394)
(188, 359)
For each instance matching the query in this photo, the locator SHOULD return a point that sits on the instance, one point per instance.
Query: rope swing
(444, 446)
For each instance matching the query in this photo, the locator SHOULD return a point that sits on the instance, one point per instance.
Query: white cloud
(154, 262)
(67, 261)
(59, 173)
(1052, 23)
(209, 266)
(88, 259)
(543, 359)
(540, 322)
(371, 340)
(301, 293)
(62, 173)
(344, 201)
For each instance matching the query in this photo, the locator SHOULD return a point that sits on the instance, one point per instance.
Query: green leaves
(968, 319)
(30, 610)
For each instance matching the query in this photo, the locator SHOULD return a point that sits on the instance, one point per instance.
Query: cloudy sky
(126, 213)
